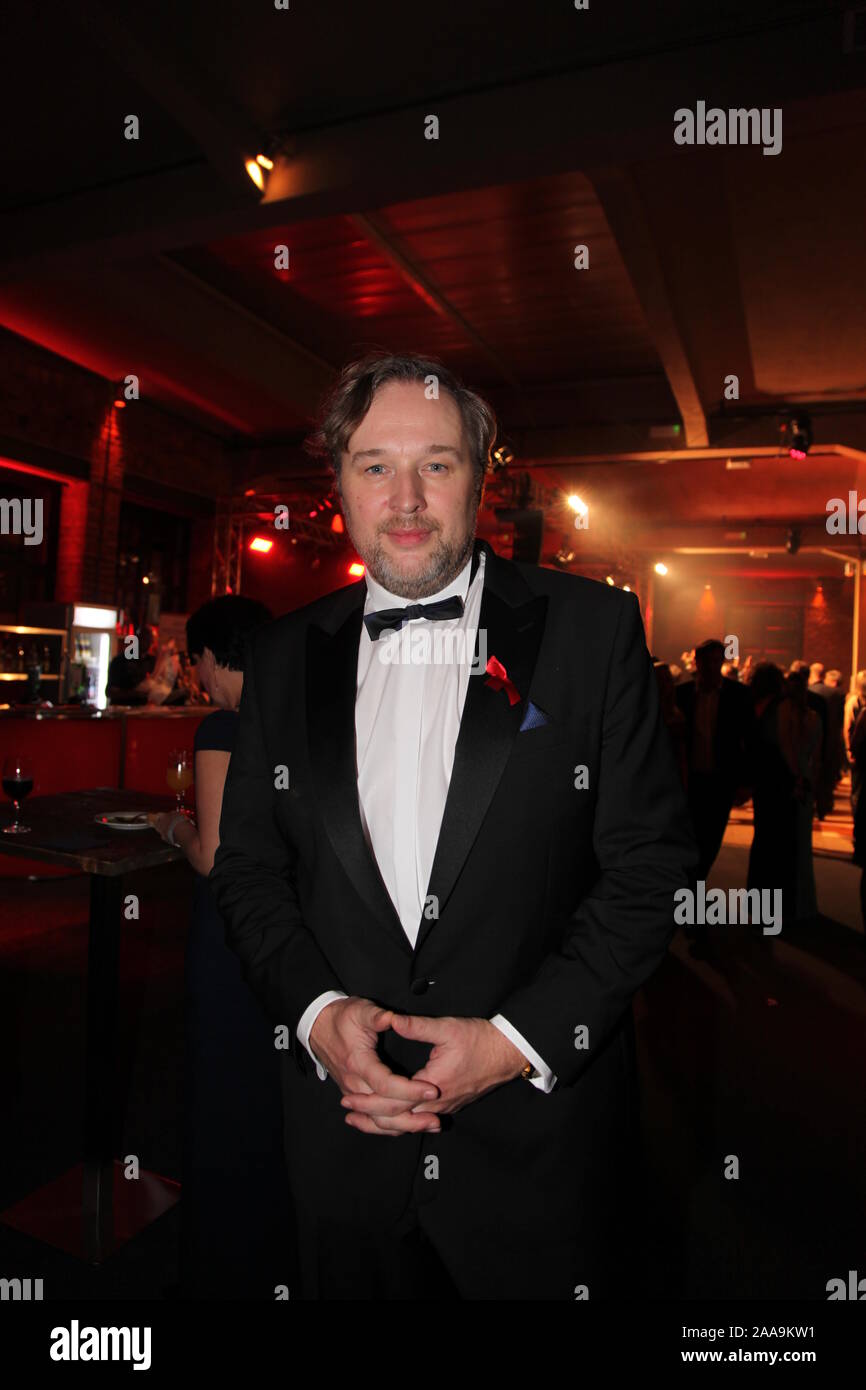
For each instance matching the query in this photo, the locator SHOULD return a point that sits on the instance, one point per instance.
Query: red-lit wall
(780, 620)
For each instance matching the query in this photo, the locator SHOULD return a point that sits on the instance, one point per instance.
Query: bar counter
(72, 747)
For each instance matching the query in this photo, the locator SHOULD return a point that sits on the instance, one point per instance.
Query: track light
(797, 436)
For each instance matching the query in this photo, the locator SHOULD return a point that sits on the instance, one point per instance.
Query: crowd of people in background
(782, 739)
(152, 673)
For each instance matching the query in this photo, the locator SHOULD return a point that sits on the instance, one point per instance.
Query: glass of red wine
(17, 783)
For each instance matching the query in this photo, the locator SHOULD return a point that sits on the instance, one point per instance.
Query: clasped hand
(470, 1057)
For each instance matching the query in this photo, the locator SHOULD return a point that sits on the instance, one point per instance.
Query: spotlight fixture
(660, 567)
(793, 539)
(797, 435)
(261, 544)
(255, 168)
(609, 579)
(502, 456)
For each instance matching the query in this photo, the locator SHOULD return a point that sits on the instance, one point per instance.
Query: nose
(407, 495)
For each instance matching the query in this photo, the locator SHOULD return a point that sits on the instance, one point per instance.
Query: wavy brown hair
(351, 397)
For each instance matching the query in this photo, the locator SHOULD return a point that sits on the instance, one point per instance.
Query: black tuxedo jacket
(555, 904)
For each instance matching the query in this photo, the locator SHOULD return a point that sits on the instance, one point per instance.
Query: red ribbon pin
(498, 679)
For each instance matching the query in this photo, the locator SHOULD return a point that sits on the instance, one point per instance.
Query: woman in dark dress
(237, 1226)
(773, 856)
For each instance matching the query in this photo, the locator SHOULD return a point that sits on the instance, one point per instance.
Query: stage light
(627, 588)
(356, 569)
(610, 580)
(261, 544)
(337, 522)
(119, 405)
(660, 567)
(264, 161)
(577, 504)
(255, 173)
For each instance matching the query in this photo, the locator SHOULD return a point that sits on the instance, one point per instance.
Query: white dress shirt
(407, 718)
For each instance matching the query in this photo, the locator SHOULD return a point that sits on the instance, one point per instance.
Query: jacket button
(419, 986)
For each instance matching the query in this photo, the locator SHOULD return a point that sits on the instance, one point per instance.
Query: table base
(54, 1214)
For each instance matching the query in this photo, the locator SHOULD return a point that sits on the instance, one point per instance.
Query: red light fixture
(337, 523)
(259, 543)
(119, 405)
(356, 569)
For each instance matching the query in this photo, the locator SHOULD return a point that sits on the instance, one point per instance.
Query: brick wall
(48, 402)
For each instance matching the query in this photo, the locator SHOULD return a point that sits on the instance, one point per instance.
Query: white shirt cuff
(308, 1018)
(545, 1081)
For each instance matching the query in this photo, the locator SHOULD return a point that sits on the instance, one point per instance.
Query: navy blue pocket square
(533, 718)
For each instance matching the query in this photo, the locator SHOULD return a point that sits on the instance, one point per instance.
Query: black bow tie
(387, 618)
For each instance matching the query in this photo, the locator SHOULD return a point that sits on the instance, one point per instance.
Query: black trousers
(487, 1253)
(350, 1262)
(710, 806)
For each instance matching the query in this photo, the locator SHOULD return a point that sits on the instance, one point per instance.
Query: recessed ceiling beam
(423, 286)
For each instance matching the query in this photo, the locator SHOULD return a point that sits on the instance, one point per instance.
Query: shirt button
(419, 986)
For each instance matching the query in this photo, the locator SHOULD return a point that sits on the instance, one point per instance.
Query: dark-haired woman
(237, 1226)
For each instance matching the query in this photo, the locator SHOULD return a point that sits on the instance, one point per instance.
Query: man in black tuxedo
(449, 885)
(719, 727)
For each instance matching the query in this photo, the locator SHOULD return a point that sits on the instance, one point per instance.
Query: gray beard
(443, 564)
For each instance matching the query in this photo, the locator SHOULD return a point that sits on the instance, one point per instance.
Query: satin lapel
(514, 623)
(332, 674)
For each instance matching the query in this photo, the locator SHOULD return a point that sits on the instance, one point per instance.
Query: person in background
(718, 715)
(673, 717)
(816, 674)
(159, 685)
(855, 702)
(824, 685)
(718, 718)
(773, 854)
(833, 682)
(858, 759)
(800, 739)
(129, 676)
(237, 1225)
(687, 664)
